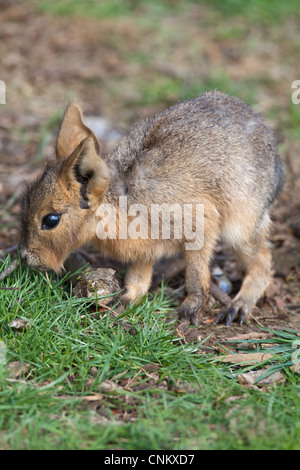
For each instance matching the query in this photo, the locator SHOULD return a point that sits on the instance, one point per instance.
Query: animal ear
(85, 171)
(72, 132)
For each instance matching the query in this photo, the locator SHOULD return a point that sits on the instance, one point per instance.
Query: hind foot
(238, 310)
(191, 308)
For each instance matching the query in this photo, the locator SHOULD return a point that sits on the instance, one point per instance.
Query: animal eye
(50, 221)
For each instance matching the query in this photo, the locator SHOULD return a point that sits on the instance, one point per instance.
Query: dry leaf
(17, 369)
(234, 398)
(249, 378)
(250, 335)
(94, 397)
(208, 321)
(245, 358)
(296, 367)
(19, 324)
(107, 386)
(94, 371)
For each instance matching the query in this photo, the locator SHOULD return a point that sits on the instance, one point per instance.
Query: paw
(190, 309)
(127, 299)
(236, 311)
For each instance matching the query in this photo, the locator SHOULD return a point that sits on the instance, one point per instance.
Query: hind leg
(197, 277)
(256, 258)
(197, 274)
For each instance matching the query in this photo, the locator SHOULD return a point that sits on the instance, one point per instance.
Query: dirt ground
(46, 60)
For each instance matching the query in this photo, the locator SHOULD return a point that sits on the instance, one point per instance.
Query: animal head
(58, 208)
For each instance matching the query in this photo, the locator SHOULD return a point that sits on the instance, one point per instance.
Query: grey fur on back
(214, 143)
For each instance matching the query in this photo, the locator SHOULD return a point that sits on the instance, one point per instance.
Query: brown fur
(213, 150)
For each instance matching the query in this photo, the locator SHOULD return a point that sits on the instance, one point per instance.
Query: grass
(260, 11)
(285, 349)
(69, 348)
(111, 8)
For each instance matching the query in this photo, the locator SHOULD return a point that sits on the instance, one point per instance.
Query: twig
(6, 251)
(11, 249)
(10, 288)
(219, 294)
(114, 312)
(7, 271)
(255, 319)
(48, 280)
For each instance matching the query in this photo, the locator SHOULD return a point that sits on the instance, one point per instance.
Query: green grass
(109, 8)
(48, 407)
(164, 91)
(259, 11)
(293, 122)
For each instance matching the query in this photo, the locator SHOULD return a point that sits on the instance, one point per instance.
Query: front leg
(137, 282)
